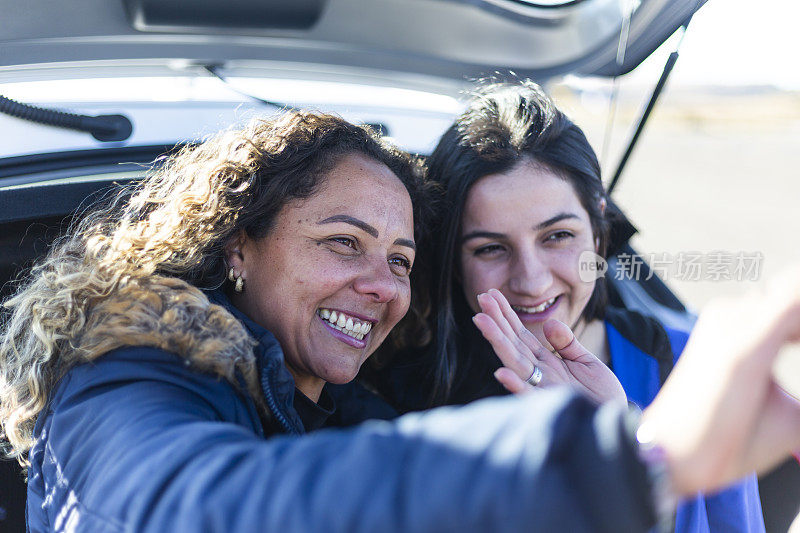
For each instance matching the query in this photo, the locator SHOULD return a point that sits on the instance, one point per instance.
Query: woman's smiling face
(523, 232)
(331, 279)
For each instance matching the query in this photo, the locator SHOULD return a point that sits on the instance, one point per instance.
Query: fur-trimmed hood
(276, 383)
(202, 327)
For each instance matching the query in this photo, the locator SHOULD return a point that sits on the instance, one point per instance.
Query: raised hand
(520, 351)
(721, 414)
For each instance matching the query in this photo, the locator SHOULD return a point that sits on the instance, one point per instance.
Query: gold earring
(239, 287)
(231, 276)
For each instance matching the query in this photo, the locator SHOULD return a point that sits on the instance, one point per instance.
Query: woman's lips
(337, 332)
(348, 323)
(538, 313)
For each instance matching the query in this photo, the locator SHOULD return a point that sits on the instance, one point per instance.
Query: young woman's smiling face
(331, 279)
(523, 232)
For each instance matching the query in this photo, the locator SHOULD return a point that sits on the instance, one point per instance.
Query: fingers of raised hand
(509, 353)
(525, 336)
(509, 313)
(564, 342)
(511, 381)
(490, 305)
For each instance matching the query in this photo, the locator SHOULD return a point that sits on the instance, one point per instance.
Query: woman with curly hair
(162, 369)
(228, 286)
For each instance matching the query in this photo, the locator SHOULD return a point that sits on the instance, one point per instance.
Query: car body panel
(442, 38)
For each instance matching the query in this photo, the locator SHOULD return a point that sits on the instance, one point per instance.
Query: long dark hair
(504, 124)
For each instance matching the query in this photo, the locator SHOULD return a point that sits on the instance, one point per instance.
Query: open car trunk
(198, 66)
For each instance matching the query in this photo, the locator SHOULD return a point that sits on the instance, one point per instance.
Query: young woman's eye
(400, 265)
(488, 250)
(559, 236)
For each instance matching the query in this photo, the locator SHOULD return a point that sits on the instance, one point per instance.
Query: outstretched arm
(721, 414)
(145, 445)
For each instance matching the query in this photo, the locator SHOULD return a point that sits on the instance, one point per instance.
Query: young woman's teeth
(538, 309)
(345, 323)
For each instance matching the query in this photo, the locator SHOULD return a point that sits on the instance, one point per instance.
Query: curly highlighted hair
(135, 266)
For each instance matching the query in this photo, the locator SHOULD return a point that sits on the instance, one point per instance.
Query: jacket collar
(641, 353)
(276, 381)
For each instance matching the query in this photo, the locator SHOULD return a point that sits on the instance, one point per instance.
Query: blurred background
(717, 169)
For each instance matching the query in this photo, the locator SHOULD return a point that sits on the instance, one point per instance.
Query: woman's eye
(400, 265)
(489, 249)
(346, 241)
(559, 236)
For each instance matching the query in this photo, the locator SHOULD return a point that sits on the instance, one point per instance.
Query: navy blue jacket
(139, 440)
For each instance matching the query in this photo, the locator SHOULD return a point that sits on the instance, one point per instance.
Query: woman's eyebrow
(552, 220)
(406, 242)
(347, 219)
(493, 235)
(353, 221)
(481, 235)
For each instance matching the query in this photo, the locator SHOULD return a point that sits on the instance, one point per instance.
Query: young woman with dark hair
(522, 207)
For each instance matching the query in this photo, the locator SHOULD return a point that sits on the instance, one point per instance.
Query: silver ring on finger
(536, 376)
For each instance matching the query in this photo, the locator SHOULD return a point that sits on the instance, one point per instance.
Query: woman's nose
(378, 282)
(530, 275)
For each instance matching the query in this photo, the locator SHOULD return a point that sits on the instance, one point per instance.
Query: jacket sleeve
(143, 444)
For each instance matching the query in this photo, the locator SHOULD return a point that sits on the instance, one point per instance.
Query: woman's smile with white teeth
(538, 309)
(345, 323)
